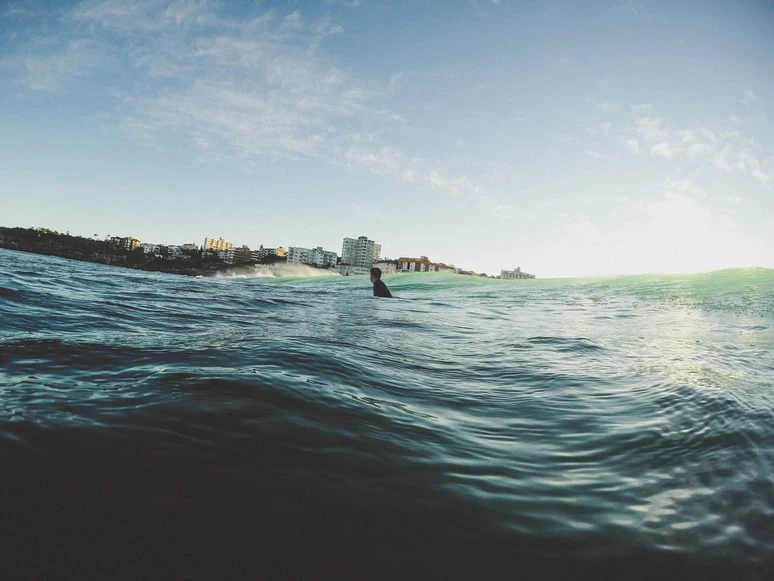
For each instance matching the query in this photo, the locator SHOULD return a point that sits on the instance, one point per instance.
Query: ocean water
(158, 426)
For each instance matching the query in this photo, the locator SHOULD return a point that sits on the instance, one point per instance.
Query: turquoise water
(290, 427)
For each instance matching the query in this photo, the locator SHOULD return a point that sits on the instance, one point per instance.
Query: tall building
(217, 245)
(360, 252)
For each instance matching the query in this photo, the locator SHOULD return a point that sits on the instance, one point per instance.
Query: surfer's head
(376, 274)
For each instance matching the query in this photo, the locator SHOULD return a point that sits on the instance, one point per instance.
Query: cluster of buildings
(358, 255)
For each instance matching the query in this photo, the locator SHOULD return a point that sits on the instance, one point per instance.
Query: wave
(280, 270)
(298, 421)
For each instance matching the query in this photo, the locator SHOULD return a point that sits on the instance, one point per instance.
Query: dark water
(158, 427)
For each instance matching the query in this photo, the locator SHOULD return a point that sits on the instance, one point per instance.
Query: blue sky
(569, 138)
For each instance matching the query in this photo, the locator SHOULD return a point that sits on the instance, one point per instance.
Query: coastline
(50, 243)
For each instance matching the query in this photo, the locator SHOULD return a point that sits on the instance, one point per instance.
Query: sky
(567, 138)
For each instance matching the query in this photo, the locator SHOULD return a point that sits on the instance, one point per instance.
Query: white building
(346, 270)
(360, 253)
(515, 273)
(422, 264)
(387, 266)
(316, 256)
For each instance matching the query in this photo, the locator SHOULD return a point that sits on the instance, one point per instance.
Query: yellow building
(221, 244)
(127, 243)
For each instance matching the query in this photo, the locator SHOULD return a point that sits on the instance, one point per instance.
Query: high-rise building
(360, 252)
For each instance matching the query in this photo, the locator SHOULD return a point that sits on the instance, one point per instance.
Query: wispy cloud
(635, 8)
(683, 187)
(749, 97)
(387, 161)
(345, 3)
(245, 88)
(600, 104)
(629, 8)
(679, 203)
(593, 153)
(641, 108)
(374, 214)
(633, 145)
(724, 149)
(48, 64)
(603, 129)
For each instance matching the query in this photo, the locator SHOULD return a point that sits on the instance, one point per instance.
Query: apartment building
(241, 255)
(261, 253)
(422, 264)
(127, 243)
(387, 266)
(316, 256)
(221, 244)
(360, 253)
(515, 273)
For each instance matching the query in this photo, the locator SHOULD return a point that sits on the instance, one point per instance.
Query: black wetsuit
(381, 290)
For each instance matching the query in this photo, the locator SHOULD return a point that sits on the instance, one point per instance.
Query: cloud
(635, 8)
(345, 3)
(748, 163)
(595, 154)
(374, 214)
(292, 20)
(641, 109)
(678, 206)
(662, 149)
(602, 130)
(649, 129)
(49, 64)
(599, 103)
(383, 161)
(749, 97)
(387, 161)
(633, 145)
(725, 150)
(629, 9)
(684, 187)
(245, 88)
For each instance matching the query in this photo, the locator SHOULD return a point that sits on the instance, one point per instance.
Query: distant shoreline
(189, 262)
(49, 243)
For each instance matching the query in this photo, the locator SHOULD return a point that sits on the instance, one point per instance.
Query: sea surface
(259, 426)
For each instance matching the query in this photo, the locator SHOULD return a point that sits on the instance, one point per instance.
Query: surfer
(380, 289)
